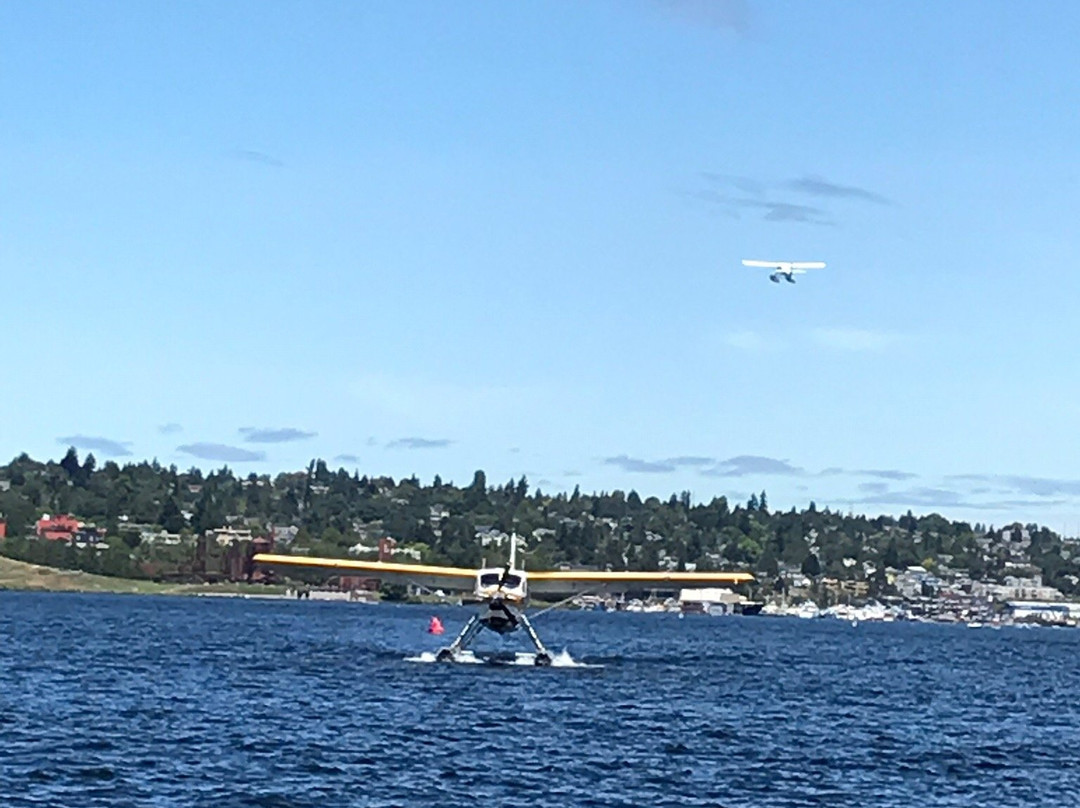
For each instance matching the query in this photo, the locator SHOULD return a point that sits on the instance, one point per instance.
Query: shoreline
(22, 576)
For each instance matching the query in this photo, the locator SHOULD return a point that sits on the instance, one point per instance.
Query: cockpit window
(495, 578)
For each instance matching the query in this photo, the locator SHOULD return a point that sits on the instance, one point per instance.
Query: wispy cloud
(419, 443)
(170, 428)
(931, 497)
(791, 212)
(873, 488)
(691, 460)
(639, 465)
(887, 474)
(881, 474)
(746, 465)
(105, 446)
(283, 435)
(734, 193)
(347, 458)
(739, 466)
(772, 210)
(636, 465)
(220, 451)
(820, 187)
(854, 339)
(252, 156)
(921, 497)
(1019, 504)
(1034, 486)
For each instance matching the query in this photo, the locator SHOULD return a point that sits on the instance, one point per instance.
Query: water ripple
(109, 702)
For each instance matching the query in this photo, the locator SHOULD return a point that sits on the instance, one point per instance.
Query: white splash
(463, 658)
(520, 659)
(564, 660)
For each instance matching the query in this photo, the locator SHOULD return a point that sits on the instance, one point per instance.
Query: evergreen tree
(171, 519)
(476, 494)
(86, 471)
(70, 463)
(891, 556)
(767, 563)
(209, 513)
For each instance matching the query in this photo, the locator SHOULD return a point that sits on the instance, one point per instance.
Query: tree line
(337, 510)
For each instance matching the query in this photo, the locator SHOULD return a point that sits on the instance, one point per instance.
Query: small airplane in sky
(503, 592)
(786, 269)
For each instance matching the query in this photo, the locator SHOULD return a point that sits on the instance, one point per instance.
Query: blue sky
(432, 237)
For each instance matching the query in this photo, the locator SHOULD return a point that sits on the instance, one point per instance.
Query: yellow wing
(429, 576)
(571, 582)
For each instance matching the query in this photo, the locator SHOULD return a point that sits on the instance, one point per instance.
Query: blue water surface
(165, 701)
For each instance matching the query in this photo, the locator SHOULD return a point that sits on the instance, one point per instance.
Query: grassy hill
(23, 576)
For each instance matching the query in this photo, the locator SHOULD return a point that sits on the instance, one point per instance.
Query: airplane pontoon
(785, 269)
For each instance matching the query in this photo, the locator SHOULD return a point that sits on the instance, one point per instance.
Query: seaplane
(785, 269)
(502, 593)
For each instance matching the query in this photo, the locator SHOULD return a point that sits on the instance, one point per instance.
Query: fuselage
(505, 582)
(502, 590)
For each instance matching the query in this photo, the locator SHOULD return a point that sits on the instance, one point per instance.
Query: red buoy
(435, 626)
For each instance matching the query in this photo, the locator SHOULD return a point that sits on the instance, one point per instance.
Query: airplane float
(503, 592)
(785, 269)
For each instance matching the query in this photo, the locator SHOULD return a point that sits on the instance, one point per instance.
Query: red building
(65, 527)
(58, 528)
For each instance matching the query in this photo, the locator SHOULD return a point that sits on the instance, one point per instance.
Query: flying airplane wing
(785, 266)
(571, 582)
(766, 264)
(458, 579)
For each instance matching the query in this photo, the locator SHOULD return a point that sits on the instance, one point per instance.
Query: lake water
(165, 701)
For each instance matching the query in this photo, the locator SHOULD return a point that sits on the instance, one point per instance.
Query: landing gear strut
(542, 658)
(499, 624)
(461, 642)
